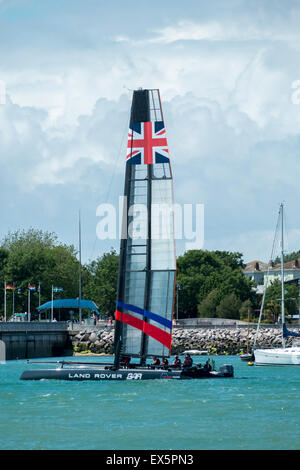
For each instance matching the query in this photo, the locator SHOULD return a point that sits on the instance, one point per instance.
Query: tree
(288, 257)
(273, 296)
(271, 312)
(208, 307)
(201, 271)
(229, 307)
(246, 310)
(102, 285)
(35, 257)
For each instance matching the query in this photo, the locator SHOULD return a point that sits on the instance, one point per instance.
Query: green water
(257, 409)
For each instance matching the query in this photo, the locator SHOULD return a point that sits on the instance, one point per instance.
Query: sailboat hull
(277, 357)
(80, 374)
(246, 357)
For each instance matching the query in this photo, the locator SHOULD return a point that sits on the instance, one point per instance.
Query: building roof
(294, 264)
(70, 303)
(254, 266)
(259, 266)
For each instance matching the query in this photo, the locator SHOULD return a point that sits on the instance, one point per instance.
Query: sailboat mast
(79, 280)
(282, 276)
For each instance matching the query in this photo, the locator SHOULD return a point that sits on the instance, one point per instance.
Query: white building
(257, 271)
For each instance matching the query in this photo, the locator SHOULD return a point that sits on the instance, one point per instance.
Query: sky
(229, 79)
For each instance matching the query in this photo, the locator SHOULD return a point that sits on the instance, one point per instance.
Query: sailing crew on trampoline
(125, 361)
(165, 361)
(207, 365)
(188, 362)
(156, 361)
(177, 362)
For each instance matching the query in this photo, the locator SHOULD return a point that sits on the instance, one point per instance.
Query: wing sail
(147, 267)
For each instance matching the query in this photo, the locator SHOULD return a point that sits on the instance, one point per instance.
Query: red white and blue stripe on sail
(155, 332)
(147, 143)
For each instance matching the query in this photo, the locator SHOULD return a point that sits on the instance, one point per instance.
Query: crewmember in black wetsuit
(156, 361)
(165, 362)
(125, 361)
(207, 365)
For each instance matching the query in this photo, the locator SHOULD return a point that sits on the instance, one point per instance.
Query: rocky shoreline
(217, 341)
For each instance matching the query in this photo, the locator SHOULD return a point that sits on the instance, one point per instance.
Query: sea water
(259, 408)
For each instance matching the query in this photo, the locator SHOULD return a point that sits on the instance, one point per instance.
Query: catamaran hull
(73, 374)
(277, 357)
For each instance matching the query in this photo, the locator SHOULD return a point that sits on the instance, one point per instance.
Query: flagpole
(28, 304)
(79, 239)
(4, 300)
(39, 300)
(52, 304)
(13, 300)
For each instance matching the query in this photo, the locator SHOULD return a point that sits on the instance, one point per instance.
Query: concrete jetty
(25, 340)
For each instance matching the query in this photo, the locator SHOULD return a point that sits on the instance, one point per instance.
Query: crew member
(207, 365)
(177, 362)
(165, 362)
(188, 362)
(156, 361)
(125, 361)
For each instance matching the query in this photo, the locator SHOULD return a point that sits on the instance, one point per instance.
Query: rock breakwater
(216, 341)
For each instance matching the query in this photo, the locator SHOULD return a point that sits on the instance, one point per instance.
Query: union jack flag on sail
(147, 143)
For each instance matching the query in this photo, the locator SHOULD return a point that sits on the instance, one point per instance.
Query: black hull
(96, 374)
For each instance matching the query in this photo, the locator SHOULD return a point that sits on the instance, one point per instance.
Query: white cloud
(47, 155)
(233, 128)
(217, 31)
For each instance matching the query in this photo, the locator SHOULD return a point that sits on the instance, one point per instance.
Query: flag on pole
(10, 287)
(31, 288)
(57, 289)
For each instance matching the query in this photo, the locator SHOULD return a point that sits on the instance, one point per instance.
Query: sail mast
(282, 276)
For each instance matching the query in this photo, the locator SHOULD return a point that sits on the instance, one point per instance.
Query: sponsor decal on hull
(95, 376)
(134, 376)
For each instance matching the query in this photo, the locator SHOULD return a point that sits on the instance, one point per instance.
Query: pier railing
(32, 326)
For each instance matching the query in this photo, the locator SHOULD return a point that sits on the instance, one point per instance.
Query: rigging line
(267, 280)
(286, 231)
(116, 163)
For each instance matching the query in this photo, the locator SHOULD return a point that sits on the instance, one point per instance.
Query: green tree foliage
(201, 271)
(208, 307)
(229, 307)
(102, 285)
(288, 257)
(273, 297)
(246, 310)
(33, 257)
(271, 312)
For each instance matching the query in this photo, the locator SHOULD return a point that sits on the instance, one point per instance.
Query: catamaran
(147, 267)
(284, 355)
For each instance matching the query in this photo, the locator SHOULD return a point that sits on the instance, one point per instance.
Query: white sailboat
(285, 355)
